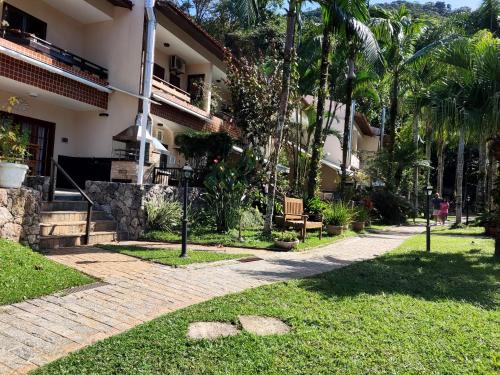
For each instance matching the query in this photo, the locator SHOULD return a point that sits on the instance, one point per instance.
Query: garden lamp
(428, 192)
(187, 172)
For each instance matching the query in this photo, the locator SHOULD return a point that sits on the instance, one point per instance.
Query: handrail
(54, 167)
(53, 51)
(173, 87)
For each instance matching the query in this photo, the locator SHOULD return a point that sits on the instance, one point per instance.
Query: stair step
(67, 195)
(56, 217)
(55, 242)
(65, 206)
(68, 228)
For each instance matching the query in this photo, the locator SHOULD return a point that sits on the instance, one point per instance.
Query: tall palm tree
(397, 32)
(293, 7)
(339, 16)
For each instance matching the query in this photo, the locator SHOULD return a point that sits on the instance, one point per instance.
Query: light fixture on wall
(103, 114)
(159, 124)
(166, 45)
(33, 94)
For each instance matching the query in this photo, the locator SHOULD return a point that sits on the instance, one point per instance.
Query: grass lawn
(26, 274)
(404, 312)
(253, 238)
(170, 257)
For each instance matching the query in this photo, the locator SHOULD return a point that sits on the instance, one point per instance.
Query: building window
(159, 135)
(159, 71)
(22, 21)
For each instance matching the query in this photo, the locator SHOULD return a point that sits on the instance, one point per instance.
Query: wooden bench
(293, 216)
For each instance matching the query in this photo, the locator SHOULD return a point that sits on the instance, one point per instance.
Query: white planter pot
(12, 174)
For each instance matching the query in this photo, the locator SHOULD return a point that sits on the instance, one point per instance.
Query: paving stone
(263, 325)
(210, 330)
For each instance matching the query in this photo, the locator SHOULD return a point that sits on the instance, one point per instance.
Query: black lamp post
(187, 172)
(428, 193)
(467, 210)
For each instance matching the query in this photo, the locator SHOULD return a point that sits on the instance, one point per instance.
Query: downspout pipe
(147, 83)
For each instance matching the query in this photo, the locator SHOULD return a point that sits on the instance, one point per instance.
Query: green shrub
(391, 208)
(361, 214)
(485, 219)
(13, 141)
(251, 218)
(287, 236)
(162, 214)
(316, 206)
(338, 214)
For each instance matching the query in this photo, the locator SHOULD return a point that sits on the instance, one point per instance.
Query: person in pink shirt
(443, 210)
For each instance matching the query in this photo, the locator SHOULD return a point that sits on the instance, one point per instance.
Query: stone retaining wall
(125, 203)
(20, 215)
(39, 183)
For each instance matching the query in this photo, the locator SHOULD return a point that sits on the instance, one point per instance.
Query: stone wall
(39, 183)
(20, 215)
(125, 202)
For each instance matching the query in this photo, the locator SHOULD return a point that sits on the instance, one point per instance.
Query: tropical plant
(338, 214)
(162, 214)
(14, 141)
(286, 236)
(203, 149)
(361, 215)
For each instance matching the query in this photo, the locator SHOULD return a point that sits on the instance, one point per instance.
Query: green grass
(405, 312)
(170, 257)
(253, 238)
(26, 274)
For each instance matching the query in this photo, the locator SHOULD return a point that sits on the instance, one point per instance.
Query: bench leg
(321, 233)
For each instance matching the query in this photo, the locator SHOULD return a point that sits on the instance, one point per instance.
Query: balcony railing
(42, 46)
(173, 90)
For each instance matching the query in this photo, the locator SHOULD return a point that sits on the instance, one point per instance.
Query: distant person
(443, 214)
(436, 207)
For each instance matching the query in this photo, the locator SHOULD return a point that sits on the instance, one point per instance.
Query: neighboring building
(77, 68)
(365, 142)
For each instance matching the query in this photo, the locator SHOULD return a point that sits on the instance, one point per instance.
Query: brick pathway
(38, 331)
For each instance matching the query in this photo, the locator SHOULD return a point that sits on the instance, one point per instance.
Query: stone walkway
(35, 332)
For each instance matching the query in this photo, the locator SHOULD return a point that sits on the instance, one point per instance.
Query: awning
(335, 167)
(132, 134)
(155, 142)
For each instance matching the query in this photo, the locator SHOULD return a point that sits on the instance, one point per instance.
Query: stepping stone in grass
(210, 330)
(263, 325)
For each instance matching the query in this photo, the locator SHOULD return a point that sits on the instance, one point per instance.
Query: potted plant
(361, 216)
(13, 151)
(286, 240)
(315, 208)
(337, 217)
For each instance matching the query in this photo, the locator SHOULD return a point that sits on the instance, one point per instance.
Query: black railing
(34, 43)
(54, 167)
(173, 176)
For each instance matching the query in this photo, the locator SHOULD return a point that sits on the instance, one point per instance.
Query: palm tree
(293, 7)
(344, 17)
(397, 33)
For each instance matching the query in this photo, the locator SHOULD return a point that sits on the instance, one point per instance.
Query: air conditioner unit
(177, 64)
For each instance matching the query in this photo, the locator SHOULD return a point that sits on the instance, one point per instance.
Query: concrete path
(35, 332)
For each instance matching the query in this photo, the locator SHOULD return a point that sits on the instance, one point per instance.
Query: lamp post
(428, 193)
(467, 210)
(187, 173)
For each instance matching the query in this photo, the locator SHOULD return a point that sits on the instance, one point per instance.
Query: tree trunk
(283, 111)
(482, 175)
(393, 114)
(347, 125)
(440, 177)
(312, 183)
(459, 175)
(490, 181)
(416, 188)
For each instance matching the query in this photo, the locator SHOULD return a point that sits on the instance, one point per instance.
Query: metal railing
(173, 175)
(54, 167)
(39, 45)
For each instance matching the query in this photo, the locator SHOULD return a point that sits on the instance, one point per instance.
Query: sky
(473, 4)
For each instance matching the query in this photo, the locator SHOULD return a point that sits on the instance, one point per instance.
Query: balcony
(54, 55)
(161, 86)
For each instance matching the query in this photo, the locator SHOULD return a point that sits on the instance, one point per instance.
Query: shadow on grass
(469, 277)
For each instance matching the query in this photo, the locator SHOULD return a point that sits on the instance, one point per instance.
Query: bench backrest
(293, 208)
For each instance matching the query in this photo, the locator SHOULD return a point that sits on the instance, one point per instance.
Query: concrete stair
(63, 223)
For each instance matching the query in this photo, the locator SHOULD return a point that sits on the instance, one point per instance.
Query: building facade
(77, 69)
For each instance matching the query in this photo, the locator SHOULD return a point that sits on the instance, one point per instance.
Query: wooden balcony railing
(173, 90)
(42, 46)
